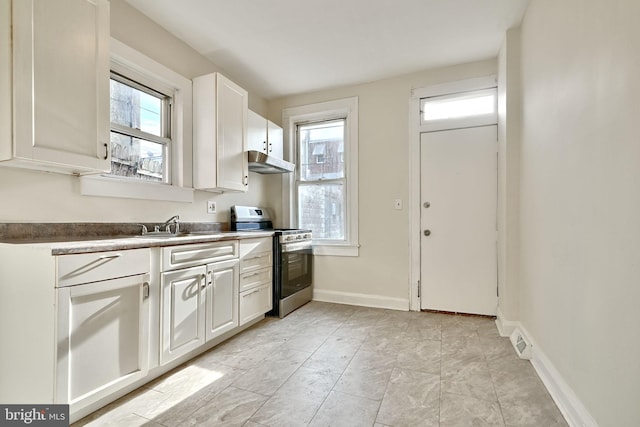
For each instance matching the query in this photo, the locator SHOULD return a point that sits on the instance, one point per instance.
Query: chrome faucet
(173, 220)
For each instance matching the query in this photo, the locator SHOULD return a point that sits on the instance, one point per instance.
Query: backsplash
(90, 230)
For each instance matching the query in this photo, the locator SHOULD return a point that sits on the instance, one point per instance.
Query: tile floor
(339, 365)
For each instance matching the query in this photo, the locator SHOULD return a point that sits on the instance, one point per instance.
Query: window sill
(103, 186)
(336, 250)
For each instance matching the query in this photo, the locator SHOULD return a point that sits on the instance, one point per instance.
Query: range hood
(263, 163)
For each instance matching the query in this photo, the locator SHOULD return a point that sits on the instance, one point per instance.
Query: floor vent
(521, 344)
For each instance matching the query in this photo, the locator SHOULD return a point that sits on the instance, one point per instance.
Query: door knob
(427, 232)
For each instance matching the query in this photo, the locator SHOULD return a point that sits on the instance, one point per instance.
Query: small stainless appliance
(292, 258)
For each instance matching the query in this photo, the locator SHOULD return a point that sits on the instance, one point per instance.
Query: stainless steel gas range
(292, 258)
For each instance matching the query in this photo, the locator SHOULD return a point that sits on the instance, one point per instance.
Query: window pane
(321, 147)
(321, 209)
(460, 105)
(137, 158)
(134, 108)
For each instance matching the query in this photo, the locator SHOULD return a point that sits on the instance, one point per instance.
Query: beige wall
(580, 198)
(381, 272)
(42, 197)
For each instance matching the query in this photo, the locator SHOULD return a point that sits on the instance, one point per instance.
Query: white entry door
(458, 220)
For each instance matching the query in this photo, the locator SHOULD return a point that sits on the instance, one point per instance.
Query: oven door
(296, 267)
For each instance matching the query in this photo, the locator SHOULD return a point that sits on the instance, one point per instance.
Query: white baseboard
(365, 300)
(505, 327)
(572, 409)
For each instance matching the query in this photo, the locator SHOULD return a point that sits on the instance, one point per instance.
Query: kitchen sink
(165, 235)
(201, 233)
(153, 235)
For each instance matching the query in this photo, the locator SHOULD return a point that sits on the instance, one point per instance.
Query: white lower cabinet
(255, 302)
(103, 331)
(256, 273)
(102, 328)
(222, 298)
(93, 326)
(182, 312)
(200, 302)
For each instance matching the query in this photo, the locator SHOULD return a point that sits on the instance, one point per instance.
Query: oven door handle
(296, 247)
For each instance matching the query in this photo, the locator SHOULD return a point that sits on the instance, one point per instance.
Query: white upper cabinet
(219, 134)
(257, 133)
(54, 81)
(264, 136)
(275, 140)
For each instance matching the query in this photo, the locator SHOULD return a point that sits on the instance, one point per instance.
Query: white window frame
(339, 109)
(462, 121)
(164, 136)
(142, 69)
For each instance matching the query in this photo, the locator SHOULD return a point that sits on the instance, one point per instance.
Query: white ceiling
(282, 47)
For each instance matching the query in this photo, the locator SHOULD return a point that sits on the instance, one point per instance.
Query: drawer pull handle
(145, 290)
(111, 256)
(245, 276)
(251, 293)
(201, 254)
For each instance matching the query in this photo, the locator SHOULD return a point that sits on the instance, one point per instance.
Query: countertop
(60, 245)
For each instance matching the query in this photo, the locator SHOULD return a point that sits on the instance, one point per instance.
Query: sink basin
(165, 235)
(156, 235)
(202, 233)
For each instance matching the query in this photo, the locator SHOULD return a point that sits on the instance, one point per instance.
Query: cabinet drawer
(256, 262)
(248, 247)
(190, 255)
(253, 279)
(255, 303)
(85, 268)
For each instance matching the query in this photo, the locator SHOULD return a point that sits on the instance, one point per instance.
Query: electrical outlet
(397, 204)
(211, 206)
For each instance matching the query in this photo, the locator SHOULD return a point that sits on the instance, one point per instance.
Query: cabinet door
(275, 139)
(222, 297)
(183, 312)
(102, 341)
(255, 303)
(256, 133)
(233, 168)
(61, 83)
